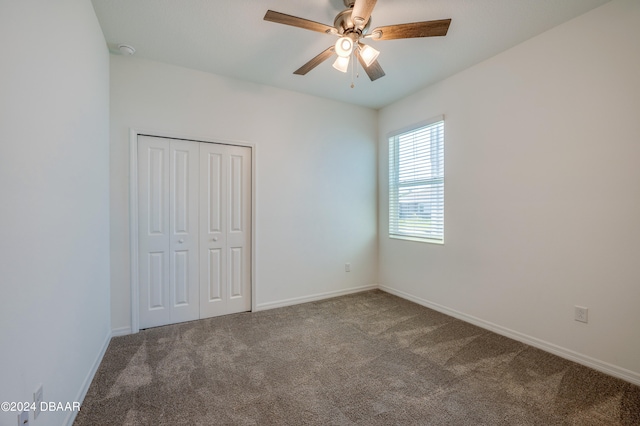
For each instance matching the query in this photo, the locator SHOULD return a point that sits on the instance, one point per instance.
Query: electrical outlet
(347, 267)
(23, 418)
(37, 399)
(581, 314)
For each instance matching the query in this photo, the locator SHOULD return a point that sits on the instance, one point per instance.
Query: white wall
(542, 198)
(316, 175)
(54, 214)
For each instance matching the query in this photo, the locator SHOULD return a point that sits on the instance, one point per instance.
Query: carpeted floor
(367, 359)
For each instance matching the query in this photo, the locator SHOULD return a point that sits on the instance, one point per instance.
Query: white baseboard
(71, 417)
(313, 297)
(121, 331)
(610, 369)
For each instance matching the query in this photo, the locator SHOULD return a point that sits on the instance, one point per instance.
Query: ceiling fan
(352, 26)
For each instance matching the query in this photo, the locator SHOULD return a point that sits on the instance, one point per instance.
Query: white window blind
(416, 183)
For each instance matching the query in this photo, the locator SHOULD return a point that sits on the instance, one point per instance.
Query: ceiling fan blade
(294, 21)
(416, 29)
(315, 61)
(374, 71)
(362, 12)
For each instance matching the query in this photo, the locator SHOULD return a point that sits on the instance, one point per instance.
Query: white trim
(121, 331)
(186, 137)
(71, 417)
(133, 211)
(254, 243)
(313, 297)
(416, 239)
(133, 229)
(414, 126)
(427, 175)
(605, 367)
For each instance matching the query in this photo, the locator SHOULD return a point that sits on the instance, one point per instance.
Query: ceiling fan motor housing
(345, 25)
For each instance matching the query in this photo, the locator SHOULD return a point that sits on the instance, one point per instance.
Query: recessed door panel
(156, 191)
(181, 187)
(215, 284)
(235, 272)
(235, 193)
(156, 280)
(214, 191)
(181, 278)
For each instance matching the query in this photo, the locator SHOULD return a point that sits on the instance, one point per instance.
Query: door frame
(133, 211)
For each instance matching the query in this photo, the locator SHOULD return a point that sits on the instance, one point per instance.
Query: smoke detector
(126, 50)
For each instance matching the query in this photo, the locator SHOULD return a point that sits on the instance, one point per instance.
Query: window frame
(394, 182)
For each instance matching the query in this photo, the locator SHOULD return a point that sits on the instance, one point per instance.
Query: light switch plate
(37, 399)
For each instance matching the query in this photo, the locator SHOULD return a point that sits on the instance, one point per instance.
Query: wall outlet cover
(23, 418)
(581, 314)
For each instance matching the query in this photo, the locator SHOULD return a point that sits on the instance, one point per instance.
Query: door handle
(215, 238)
(180, 241)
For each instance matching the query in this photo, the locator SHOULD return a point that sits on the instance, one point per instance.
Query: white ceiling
(230, 38)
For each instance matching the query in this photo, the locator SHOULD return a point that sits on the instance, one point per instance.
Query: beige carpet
(366, 359)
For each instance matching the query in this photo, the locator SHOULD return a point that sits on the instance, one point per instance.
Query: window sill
(417, 239)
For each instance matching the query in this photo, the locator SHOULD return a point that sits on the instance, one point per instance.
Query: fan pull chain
(353, 68)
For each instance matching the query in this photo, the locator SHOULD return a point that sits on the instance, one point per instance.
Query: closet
(194, 230)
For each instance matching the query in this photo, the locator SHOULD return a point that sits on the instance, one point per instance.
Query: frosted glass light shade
(344, 46)
(342, 63)
(368, 54)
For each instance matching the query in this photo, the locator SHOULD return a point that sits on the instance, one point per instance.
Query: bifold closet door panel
(213, 217)
(225, 229)
(239, 229)
(183, 194)
(168, 188)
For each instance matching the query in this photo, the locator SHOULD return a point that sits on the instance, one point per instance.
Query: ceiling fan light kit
(341, 63)
(368, 54)
(352, 25)
(344, 46)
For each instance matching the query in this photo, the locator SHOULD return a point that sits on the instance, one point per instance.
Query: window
(416, 182)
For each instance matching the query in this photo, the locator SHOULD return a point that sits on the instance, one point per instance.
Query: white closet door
(168, 230)
(225, 229)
